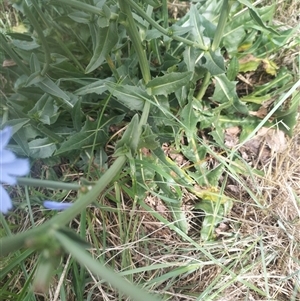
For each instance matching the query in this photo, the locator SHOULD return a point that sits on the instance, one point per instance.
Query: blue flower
(56, 205)
(10, 168)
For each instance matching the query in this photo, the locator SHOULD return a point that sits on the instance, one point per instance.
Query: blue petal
(5, 135)
(6, 156)
(56, 205)
(19, 167)
(5, 201)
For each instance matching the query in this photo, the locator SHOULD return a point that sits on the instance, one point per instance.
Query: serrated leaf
(168, 83)
(106, 39)
(190, 56)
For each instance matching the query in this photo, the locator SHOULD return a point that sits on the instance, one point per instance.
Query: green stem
(133, 33)
(204, 86)
(166, 32)
(48, 184)
(16, 242)
(41, 36)
(165, 13)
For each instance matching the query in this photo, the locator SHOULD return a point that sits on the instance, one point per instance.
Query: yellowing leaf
(211, 194)
(249, 63)
(244, 47)
(20, 28)
(270, 66)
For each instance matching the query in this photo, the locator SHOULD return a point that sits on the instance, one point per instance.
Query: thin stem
(204, 86)
(48, 184)
(132, 31)
(165, 13)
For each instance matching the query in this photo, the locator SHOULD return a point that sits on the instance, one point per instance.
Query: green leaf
(256, 17)
(25, 45)
(197, 29)
(190, 117)
(125, 143)
(132, 97)
(106, 39)
(34, 79)
(233, 39)
(41, 148)
(213, 215)
(86, 137)
(80, 17)
(74, 237)
(77, 115)
(191, 55)
(154, 3)
(148, 139)
(45, 109)
(233, 68)
(35, 65)
(168, 83)
(225, 92)
(213, 62)
(48, 86)
(97, 87)
(289, 117)
(19, 133)
(17, 124)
